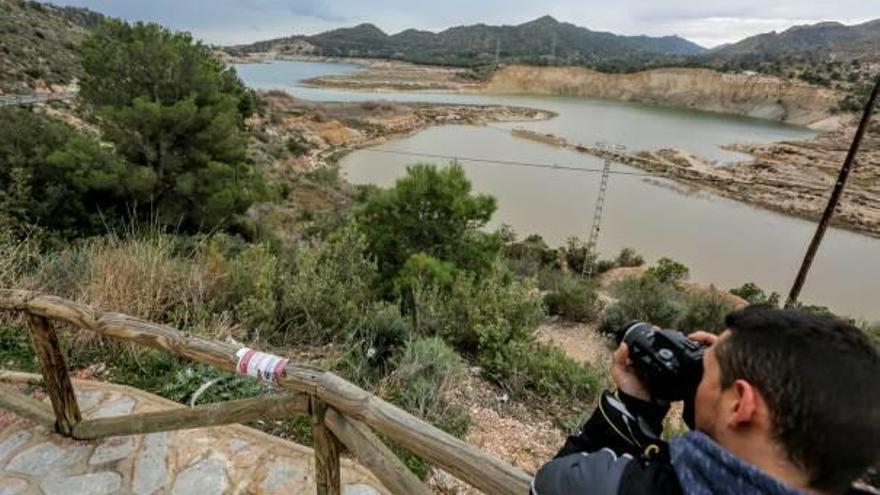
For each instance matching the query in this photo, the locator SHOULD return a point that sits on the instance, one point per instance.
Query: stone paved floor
(230, 459)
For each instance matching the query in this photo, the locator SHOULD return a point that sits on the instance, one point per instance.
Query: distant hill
(825, 39)
(38, 43)
(827, 53)
(542, 41)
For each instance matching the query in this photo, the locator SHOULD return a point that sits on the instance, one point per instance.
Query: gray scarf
(705, 468)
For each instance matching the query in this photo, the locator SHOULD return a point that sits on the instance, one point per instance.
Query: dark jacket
(618, 452)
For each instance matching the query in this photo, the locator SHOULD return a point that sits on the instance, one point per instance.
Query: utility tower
(609, 149)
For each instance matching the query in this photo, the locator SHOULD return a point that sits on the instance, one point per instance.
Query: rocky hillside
(702, 89)
(543, 41)
(38, 44)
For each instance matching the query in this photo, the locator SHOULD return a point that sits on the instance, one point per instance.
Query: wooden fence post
(327, 476)
(55, 376)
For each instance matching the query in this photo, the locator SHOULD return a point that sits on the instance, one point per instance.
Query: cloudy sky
(707, 22)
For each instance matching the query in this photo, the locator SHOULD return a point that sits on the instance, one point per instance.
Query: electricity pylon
(608, 148)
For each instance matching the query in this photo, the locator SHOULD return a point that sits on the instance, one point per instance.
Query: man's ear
(744, 406)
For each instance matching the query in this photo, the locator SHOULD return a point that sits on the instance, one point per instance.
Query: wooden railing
(342, 413)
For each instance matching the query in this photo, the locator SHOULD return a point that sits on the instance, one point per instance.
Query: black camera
(669, 364)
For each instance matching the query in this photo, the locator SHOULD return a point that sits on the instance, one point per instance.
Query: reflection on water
(723, 241)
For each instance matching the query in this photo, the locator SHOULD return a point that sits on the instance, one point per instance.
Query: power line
(507, 162)
(553, 166)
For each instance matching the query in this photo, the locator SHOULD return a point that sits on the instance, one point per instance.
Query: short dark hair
(820, 377)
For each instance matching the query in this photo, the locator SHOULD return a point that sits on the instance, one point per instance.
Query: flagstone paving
(230, 459)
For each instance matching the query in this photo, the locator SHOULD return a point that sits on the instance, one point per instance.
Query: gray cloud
(709, 22)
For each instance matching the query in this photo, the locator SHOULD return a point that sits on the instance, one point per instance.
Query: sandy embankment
(758, 96)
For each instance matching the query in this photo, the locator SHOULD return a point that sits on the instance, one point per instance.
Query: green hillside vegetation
(542, 41)
(38, 42)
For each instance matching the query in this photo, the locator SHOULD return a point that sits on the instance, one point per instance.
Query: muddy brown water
(723, 241)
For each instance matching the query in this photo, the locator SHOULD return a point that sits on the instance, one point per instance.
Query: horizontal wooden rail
(221, 413)
(483, 471)
(27, 407)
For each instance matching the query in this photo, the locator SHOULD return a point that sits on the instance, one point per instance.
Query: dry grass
(16, 255)
(141, 277)
(144, 276)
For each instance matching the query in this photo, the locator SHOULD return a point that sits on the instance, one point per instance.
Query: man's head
(800, 387)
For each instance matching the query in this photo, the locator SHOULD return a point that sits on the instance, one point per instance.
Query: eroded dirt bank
(702, 89)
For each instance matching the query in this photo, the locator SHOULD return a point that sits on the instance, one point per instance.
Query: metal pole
(833, 200)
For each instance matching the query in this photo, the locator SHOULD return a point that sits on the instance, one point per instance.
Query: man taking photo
(788, 404)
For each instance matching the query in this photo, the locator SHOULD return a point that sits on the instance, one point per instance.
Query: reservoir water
(722, 241)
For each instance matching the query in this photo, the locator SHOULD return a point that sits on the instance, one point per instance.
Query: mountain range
(542, 40)
(548, 41)
(824, 39)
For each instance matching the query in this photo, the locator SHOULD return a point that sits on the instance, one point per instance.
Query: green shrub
(704, 310)
(577, 254)
(251, 289)
(755, 295)
(479, 314)
(603, 266)
(425, 375)
(327, 175)
(297, 145)
(186, 380)
(329, 291)
(372, 352)
(628, 258)
(575, 299)
(16, 352)
(669, 271)
(421, 269)
(525, 368)
(644, 298)
(549, 278)
(430, 211)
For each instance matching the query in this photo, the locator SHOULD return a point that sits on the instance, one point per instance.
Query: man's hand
(624, 375)
(705, 338)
